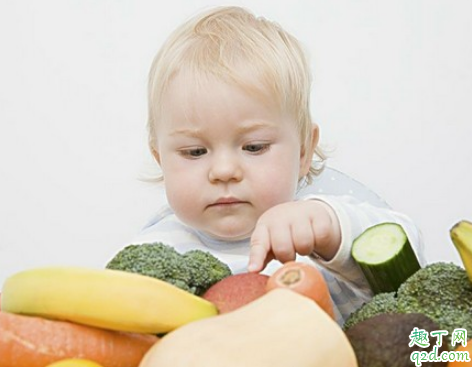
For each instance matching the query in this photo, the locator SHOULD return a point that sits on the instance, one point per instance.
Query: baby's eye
(194, 152)
(256, 148)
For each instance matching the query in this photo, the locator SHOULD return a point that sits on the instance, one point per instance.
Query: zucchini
(385, 256)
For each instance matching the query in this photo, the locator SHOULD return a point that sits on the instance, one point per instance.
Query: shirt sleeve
(348, 286)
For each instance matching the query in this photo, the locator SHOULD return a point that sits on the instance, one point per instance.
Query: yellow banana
(105, 298)
(461, 235)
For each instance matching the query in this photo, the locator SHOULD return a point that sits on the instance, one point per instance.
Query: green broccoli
(441, 291)
(379, 304)
(195, 271)
(204, 268)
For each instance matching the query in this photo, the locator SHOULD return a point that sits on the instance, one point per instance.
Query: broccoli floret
(205, 270)
(154, 260)
(379, 304)
(441, 291)
(194, 271)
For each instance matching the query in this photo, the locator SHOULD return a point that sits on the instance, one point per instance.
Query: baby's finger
(281, 243)
(260, 249)
(303, 237)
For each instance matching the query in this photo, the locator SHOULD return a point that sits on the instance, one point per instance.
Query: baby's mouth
(227, 202)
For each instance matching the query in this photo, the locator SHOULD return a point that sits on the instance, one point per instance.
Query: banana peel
(461, 236)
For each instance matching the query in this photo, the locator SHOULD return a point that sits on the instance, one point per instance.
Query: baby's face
(226, 157)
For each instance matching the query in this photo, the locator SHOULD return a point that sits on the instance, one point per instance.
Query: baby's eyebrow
(253, 126)
(187, 131)
(244, 128)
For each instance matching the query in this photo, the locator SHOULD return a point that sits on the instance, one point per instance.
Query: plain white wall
(392, 95)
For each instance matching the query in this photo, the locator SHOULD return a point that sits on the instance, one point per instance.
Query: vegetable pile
(151, 303)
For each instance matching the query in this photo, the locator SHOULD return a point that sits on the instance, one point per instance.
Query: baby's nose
(224, 168)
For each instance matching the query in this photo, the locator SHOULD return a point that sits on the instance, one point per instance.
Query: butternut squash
(281, 328)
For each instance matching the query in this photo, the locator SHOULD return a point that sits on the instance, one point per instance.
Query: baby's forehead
(189, 81)
(189, 100)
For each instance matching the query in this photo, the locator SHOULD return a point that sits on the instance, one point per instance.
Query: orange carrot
(304, 279)
(27, 341)
(462, 349)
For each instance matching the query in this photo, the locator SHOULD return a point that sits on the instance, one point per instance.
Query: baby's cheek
(274, 195)
(181, 197)
(278, 184)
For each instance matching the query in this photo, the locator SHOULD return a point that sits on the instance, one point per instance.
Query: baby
(230, 127)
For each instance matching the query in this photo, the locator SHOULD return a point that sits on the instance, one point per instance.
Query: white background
(392, 94)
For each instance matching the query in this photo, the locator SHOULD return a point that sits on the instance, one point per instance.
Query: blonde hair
(233, 45)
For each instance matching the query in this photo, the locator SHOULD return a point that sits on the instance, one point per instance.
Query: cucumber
(384, 254)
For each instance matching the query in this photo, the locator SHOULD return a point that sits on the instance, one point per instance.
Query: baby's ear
(307, 152)
(156, 155)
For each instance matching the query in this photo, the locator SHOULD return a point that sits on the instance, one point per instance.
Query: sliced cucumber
(385, 256)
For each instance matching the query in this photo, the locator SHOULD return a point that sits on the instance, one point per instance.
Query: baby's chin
(229, 235)
(226, 228)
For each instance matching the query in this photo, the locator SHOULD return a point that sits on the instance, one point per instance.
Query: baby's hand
(298, 227)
